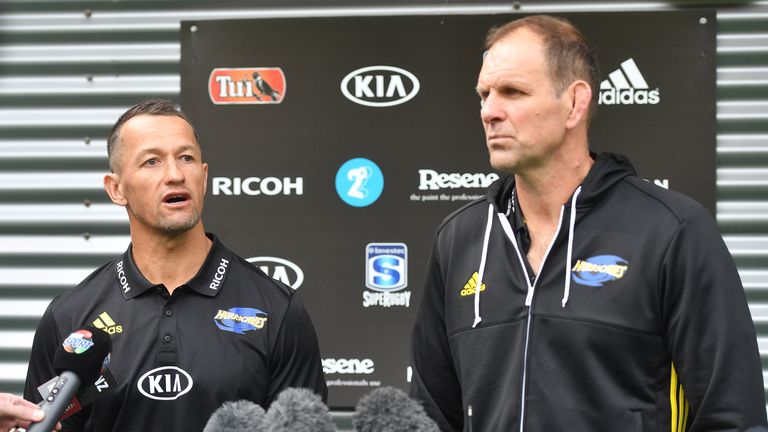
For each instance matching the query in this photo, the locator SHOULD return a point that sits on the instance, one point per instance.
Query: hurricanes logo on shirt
(597, 270)
(471, 286)
(240, 319)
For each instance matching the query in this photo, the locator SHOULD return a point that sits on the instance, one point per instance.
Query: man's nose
(173, 172)
(491, 109)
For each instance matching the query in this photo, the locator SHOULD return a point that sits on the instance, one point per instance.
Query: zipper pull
(469, 417)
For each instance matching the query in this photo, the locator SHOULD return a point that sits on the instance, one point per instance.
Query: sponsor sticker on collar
(240, 319)
(121, 278)
(218, 277)
(598, 270)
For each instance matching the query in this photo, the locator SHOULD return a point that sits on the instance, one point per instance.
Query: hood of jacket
(609, 169)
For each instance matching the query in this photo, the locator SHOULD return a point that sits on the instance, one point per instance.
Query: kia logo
(279, 269)
(165, 383)
(380, 86)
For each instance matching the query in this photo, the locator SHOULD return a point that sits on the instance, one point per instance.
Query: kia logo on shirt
(380, 86)
(279, 269)
(165, 383)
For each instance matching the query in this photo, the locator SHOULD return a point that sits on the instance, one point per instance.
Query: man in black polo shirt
(192, 324)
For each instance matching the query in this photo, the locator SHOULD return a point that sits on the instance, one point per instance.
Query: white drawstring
(569, 255)
(480, 272)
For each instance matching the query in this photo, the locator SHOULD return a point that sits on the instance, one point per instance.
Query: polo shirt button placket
(167, 332)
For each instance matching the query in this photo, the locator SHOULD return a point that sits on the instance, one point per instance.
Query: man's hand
(15, 411)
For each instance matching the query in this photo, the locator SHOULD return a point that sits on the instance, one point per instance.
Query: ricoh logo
(221, 272)
(627, 86)
(165, 383)
(254, 186)
(433, 180)
(249, 86)
(279, 269)
(348, 366)
(380, 86)
(121, 277)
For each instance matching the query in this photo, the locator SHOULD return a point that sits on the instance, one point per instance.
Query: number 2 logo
(359, 182)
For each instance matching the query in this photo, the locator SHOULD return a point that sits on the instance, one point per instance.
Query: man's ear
(580, 95)
(112, 187)
(205, 178)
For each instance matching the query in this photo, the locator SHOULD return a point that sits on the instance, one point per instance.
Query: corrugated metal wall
(69, 68)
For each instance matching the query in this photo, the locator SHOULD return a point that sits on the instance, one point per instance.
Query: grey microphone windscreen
(298, 410)
(388, 409)
(237, 416)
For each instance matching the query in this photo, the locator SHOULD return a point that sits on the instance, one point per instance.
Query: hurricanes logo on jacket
(471, 286)
(240, 319)
(597, 270)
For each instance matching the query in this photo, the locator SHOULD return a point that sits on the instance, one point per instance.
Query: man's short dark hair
(568, 54)
(160, 107)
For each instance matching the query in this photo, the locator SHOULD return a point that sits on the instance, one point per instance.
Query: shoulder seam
(457, 212)
(680, 218)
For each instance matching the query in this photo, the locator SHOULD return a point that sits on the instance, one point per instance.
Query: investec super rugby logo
(386, 272)
(246, 86)
(627, 86)
(597, 270)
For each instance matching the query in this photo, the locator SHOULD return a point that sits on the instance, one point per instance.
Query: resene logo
(246, 86)
(359, 182)
(627, 86)
(433, 180)
(380, 86)
(348, 366)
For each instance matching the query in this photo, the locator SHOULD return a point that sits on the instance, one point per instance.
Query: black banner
(337, 145)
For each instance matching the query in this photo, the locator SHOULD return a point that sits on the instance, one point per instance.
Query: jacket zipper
(528, 299)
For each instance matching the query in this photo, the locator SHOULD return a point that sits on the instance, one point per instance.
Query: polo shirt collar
(208, 281)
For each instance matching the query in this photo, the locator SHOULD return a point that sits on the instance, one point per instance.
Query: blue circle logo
(359, 182)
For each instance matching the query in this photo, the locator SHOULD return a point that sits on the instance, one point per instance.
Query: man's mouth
(175, 198)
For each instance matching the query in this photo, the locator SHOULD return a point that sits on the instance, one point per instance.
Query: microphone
(237, 416)
(78, 361)
(298, 410)
(390, 409)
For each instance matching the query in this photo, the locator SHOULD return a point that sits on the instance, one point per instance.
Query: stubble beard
(170, 226)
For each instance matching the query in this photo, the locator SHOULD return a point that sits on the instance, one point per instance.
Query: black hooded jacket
(636, 320)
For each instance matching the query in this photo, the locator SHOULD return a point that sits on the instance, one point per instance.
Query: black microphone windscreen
(298, 410)
(237, 416)
(390, 409)
(83, 352)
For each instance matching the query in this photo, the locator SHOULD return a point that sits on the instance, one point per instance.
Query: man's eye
(187, 158)
(151, 162)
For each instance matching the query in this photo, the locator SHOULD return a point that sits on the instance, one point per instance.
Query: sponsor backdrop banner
(337, 145)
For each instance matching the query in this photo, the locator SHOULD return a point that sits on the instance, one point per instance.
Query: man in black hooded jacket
(577, 296)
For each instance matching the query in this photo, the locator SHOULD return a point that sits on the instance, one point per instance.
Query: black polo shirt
(230, 333)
